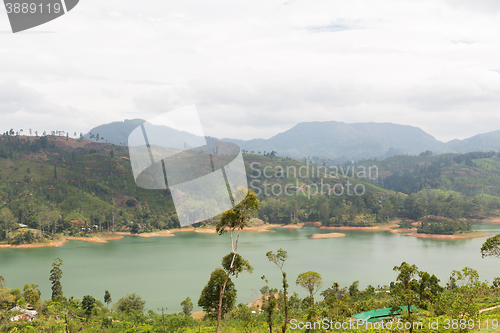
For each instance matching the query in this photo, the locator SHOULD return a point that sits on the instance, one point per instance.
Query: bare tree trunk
(221, 293)
(409, 318)
(285, 303)
(219, 312)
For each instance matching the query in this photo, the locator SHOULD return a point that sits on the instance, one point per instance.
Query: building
(382, 314)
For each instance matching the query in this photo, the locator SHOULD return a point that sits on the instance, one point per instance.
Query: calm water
(165, 270)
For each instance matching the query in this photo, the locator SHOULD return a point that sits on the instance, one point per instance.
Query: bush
(130, 203)
(131, 302)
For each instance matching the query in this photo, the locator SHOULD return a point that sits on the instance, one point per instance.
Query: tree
(268, 302)
(7, 218)
(187, 306)
(405, 292)
(42, 216)
(429, 288)
(491, 248)
(234, 220)
(31, 293)
(279, 260)
(334, 293)
(459, 301)
(88, 303)
(353, 289)
(55, 276)
(107, 298)
(311, 281)
(131, 302)
(209, 298)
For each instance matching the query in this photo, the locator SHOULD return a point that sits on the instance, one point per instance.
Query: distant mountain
(331, 139)
(341, 141)
(116, 132)
(481, 142)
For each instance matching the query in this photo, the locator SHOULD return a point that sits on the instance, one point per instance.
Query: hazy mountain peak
(333, 139)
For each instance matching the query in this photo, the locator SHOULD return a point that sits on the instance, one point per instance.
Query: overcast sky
(256, 68)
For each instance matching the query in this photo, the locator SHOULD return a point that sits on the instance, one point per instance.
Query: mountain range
(332, 140)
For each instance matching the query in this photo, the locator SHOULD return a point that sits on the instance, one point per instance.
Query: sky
(257, 68)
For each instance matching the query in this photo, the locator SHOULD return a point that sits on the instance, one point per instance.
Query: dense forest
(56, 184)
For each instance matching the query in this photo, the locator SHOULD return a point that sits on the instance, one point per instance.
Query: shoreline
(392, 228)
(60, 242)
(386, 227)
(402, 231)
(450, 237)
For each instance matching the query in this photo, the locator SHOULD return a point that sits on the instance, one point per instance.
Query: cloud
(485, 6)
(22, 107)
(255, 69)
(332, 27)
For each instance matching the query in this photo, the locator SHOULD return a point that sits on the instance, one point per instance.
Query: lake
(165, 270)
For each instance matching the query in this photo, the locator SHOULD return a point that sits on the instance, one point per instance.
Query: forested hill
(58, 184)
(470, 174)
(62, 183)
(77, 180)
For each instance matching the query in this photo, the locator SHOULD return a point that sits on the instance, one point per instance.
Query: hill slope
(341, 141)
(328, 140)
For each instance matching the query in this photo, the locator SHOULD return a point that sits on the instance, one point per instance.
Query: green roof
(382, 314)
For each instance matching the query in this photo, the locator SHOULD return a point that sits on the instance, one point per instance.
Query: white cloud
(24, 108)
(258, 68)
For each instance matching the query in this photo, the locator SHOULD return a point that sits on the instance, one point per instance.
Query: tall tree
(7, 218)
(107, 298)
(231, 222)
(279, 260)
(55, 277)
(311, 281)
(31, 293)
(209, 298)
(42, 217)
(131, 302)
(187, 306)
(268, 302)
(88, 303)
(405, 291)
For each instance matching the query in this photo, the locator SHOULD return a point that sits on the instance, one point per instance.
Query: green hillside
(476, 173)
(53, 185)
